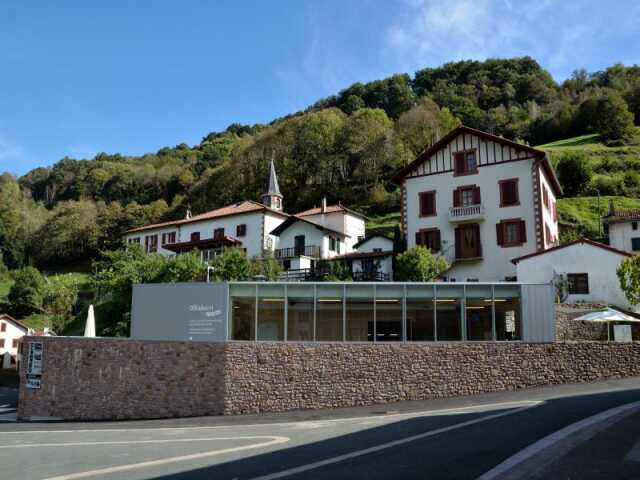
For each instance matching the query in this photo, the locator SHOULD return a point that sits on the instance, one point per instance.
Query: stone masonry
(116, 379)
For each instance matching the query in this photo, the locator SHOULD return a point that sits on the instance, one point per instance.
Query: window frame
(522, 232)
(421, 195)
(425, 233)
(571, 283)
(515, 182)
(241, 230)
(465, 171)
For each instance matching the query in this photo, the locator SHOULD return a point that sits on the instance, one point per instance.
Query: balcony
(466, 213)
(312, 251)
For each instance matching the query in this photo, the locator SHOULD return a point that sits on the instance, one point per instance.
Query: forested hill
(346, 147)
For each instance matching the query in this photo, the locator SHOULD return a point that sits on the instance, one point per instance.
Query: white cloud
(561, 35)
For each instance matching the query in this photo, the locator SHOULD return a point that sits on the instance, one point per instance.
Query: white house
(480, 200)
(623, 229)
(11, 331)
(245, 224)
(588, 268)
(372, 259)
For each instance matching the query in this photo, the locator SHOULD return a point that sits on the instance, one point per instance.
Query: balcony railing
(468, 212)
(370, 277)
(291, 252)
(469, 256)
(316, 275)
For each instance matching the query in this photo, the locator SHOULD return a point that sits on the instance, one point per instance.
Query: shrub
(574, 173)
(629, 277)
(418, 265)
(26, 294)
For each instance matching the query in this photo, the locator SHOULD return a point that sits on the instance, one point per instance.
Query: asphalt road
(442, 439)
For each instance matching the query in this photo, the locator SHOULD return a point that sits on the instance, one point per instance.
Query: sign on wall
(179, 311)
(34, 365)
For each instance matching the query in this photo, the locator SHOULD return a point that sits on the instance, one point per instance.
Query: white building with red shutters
(480, 201)
(11, 332)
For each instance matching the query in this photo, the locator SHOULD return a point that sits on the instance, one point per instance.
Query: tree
(629, 277)
(26, 294)
(418, 265)
(614, 121)
(60, 295)
(232, 265)
(267, 267)
(574, 173)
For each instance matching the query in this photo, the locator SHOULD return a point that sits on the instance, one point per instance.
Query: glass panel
(389, 313)
(300, 312)
(508, 312)
(420, 313)
(329, 313)
(478, 312)
(270, 312)
(449, 312)
(243, 312)
(359, 313)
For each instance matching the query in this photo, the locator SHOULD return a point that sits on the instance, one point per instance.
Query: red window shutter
(456, 198)
(555, 212)
(423, 204)
(431, 203)
(458, 243)
(418, 238)
(523, 232)
(459, 162)
(476, 195)
(436, 242)
(500, 233)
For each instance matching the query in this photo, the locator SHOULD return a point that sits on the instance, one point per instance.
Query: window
(509, 192)
(634, 225)
(332, 244)
(3, 327)
(545, 197)
(377, 250)
(511, 233)
(428, 204)
(195, 236)
(555, 212)
(429, 238)
(135, 240)
(241, 230)
(168, 238)
(14, 344)
(218, 233)
(1, 342)
(151, 243)
(465, 163)
(466, 196)
(547, 235)
(635, 244)
(468, 241)
(578, 283)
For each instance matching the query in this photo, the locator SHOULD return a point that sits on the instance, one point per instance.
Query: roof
(294, 218)
(487, 136)
(616, 216)
(10, 319)
(581, 241)
(330, 209)
(371, 237)
(272, 186)
(204, 243)
(240, 208)
(356, 255)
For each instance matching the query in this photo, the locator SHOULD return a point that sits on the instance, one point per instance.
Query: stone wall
(96, 379)
(568, 330)
(104, 378)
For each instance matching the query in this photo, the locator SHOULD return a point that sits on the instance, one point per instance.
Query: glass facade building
(375, 312)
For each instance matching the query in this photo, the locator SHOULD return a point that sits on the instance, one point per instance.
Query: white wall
(598, 263)
(271, 221)
(12, 333)
(547, 214)
(620, 235)
(370, 245)
(342, 221)
(496, 263)
(313, 237)
(158, 232)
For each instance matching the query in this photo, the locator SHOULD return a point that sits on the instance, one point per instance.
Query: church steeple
(272, 198)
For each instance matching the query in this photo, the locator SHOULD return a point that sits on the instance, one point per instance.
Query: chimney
(323, 205)
(188, 215)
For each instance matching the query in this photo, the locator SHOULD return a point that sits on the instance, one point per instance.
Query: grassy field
(590, 142)
(383, 224)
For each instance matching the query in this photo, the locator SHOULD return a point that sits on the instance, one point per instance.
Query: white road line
(275, 440)
(383, 446)
(129, 442)
(420, 413)
(529, 452)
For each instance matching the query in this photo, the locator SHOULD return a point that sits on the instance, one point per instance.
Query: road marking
(442, 411)
(589, 424)
(384, 446)
(275, 440)
(128, 442)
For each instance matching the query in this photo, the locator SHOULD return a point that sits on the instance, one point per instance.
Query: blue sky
(81, 77)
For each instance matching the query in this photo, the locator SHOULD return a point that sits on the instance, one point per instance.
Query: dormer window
(465, 163)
